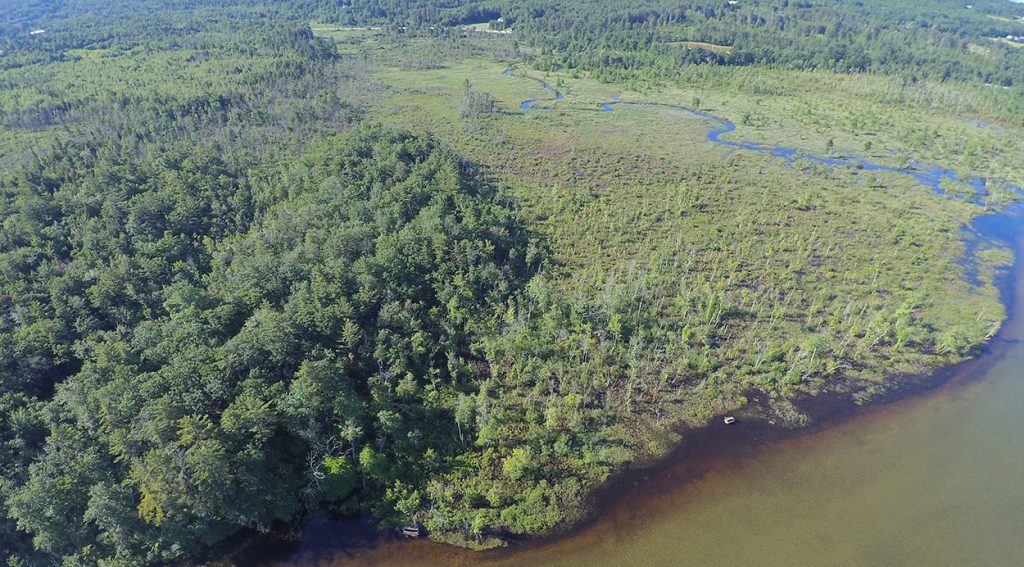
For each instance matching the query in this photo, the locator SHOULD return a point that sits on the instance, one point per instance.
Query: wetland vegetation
(261, 262)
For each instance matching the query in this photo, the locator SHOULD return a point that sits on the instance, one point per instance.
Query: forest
(263, 261)
(944, 39)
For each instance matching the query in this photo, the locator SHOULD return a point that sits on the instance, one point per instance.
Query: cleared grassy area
(348, 39)
(340, 32)
(1004, 19)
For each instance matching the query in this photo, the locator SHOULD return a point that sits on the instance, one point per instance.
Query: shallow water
(933, 479)
(931, 176)
(528, 104)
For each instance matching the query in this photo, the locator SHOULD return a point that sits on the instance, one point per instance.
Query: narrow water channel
(932, 479)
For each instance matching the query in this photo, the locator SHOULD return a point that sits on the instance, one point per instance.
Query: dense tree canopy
(943, 39)
(226, 384)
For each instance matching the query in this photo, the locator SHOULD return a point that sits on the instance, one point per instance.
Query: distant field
(1005, 19)
(485, 28)
(703, 45)
(1009, 42)
(325, 29)
(347, 39)
(975, 48)
(90, 53)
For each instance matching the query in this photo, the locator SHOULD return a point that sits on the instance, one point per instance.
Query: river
(936, 478)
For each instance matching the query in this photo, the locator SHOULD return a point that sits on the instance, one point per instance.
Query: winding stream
(931, 177)
(934, 479)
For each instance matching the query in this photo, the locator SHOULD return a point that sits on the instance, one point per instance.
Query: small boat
(412, 530)
(729, 420)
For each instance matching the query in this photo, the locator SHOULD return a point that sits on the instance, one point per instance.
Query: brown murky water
(934, 479)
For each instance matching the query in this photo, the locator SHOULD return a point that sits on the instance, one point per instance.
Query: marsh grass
(685, 274)
(640, 191)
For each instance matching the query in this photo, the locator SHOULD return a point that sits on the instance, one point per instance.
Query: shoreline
(701, 449)
(638, 487)
(715, 442)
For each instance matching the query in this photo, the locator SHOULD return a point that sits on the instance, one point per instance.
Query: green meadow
(640, 195)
